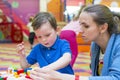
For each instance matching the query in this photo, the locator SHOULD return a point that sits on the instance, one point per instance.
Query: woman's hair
(42, 18)
(101, 14)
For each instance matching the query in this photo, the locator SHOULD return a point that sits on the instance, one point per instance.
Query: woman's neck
(103, 41)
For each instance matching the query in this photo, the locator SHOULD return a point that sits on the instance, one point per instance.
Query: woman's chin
(87, 41)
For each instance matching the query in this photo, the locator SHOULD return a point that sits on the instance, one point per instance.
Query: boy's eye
(47, 35)
(39, 37)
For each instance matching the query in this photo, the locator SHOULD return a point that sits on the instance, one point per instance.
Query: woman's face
(46, 35)
(89, 29)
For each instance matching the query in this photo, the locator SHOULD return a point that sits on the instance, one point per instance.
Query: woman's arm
(48, 74)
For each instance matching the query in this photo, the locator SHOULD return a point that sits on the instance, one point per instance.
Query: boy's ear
(58, 30)
(104, 27)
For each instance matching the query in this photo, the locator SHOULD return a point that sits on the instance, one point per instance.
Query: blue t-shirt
(45, 56)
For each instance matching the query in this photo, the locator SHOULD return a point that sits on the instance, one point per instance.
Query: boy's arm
(61, 62)
(21, 51)
(23, 62)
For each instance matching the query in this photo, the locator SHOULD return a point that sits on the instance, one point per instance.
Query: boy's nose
(43, 39)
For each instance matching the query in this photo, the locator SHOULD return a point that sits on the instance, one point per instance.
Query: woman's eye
(86, 26)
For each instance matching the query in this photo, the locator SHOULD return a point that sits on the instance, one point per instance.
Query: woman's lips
(83, 36)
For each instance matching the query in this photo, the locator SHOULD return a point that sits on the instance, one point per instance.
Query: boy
(51, 52)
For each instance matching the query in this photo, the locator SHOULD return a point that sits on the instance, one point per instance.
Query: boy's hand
(21, 49)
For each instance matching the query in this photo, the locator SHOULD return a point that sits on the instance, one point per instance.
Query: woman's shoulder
(116, 40)
(117, 37)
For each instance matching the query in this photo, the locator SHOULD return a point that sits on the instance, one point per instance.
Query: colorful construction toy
(16, 74)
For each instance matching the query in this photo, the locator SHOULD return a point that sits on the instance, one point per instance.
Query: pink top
(73, 25)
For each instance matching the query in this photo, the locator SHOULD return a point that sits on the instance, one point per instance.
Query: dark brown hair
(44, 17)
(102, 14)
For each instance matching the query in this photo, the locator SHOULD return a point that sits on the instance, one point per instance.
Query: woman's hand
(48, 74)
(45, 74)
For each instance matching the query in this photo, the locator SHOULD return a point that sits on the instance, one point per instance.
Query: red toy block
(28, 77)
(20, 71)
(5, 78)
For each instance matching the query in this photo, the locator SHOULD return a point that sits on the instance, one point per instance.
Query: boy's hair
(42, 18)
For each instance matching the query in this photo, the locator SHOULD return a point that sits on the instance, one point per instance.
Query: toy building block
(19, 71)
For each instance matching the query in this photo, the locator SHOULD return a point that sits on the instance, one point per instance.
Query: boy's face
(46, 35)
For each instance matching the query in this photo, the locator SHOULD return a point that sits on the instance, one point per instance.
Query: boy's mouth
(46, 43)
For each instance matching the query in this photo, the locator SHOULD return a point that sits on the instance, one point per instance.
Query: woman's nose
(81, 29)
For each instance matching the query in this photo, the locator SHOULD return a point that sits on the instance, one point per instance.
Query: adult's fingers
(36, 75)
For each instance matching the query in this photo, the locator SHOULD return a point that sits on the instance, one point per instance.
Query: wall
(25, 8)
(56, 7)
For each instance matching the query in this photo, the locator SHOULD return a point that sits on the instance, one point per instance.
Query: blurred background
(15, 14)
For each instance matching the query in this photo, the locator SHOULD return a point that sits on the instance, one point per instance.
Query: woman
(99, 26)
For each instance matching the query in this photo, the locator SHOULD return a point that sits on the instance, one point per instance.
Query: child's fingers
(21, 50)
(21, 44)
(20, 47)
